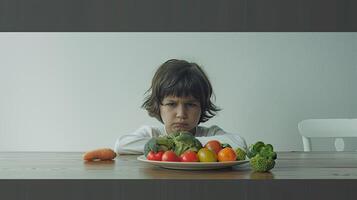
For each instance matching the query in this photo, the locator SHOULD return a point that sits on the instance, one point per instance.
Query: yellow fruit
(206, 155)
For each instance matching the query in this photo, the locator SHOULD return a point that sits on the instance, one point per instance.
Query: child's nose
(181, 111)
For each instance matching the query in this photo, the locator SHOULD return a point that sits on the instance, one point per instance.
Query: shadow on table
(261, 175)
(107, 164)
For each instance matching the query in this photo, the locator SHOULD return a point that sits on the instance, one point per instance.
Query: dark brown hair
(180, 78)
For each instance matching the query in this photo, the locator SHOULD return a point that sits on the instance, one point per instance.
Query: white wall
(79, 91)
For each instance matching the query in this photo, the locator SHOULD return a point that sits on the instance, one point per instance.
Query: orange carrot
(101, 154)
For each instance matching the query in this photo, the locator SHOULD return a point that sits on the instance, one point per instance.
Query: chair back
(338, 129)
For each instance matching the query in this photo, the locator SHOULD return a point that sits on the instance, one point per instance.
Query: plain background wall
(79, 91)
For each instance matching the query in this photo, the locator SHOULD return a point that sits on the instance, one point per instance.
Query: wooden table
(297, 175)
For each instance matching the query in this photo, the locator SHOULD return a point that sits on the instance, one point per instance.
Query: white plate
(192, 165)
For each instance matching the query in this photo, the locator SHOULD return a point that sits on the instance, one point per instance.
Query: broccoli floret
(185, 141)
(261, 164)
(241, 154)
(262, 156)
(258, 145)
(179, 142)
(158, 144)
(266, 150)
(270, 147)
(254, 149)
(268, 153)
(165, 141)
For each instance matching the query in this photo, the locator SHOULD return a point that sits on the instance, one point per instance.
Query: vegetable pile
(184, 147)
(177, 142)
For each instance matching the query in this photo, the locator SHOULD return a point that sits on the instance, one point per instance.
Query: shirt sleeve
(133, 143)
(232, 139)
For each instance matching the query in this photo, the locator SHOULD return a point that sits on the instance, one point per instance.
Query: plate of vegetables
(192, 165)
(183, 151)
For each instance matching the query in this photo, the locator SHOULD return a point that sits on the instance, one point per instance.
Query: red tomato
(214, 146)
(170, 156)
(155, 156)
(227, 154)
(189, 156)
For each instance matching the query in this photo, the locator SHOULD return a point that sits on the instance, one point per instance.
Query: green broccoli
(258, 145)
(262, 156)
(179, 142)
(261, 164)
(158, 144)
(184, 141)
(241, 154)
(270, 147)
(267, 153)
(254, 149)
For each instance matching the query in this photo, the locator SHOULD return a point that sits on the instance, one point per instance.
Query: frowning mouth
(180, 125)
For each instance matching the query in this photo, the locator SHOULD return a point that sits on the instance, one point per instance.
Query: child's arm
(133, 143)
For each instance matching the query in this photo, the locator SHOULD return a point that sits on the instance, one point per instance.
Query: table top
(69, 165)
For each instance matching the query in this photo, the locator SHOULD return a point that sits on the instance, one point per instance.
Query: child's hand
(101, 154)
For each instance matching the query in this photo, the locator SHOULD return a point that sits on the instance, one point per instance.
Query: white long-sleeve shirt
(134, 143)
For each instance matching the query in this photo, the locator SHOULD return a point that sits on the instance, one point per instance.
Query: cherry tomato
(170, 156)
(214, 146)
(206, 155)
(189, 156)
(227, 154)
(155, 156)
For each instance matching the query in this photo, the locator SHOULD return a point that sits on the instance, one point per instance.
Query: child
(180, 98)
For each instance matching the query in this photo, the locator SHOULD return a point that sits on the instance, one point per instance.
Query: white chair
(327, 128)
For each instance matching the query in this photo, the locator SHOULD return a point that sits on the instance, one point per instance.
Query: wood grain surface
(69, 165)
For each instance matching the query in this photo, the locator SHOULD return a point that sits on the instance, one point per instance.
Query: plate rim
(232, 163)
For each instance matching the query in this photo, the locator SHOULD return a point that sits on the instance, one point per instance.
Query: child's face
(180, 113)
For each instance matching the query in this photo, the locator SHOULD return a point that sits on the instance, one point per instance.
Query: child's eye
(170, 104)
(191, 105)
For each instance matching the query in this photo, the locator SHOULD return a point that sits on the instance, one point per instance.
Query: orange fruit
(226, 154)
